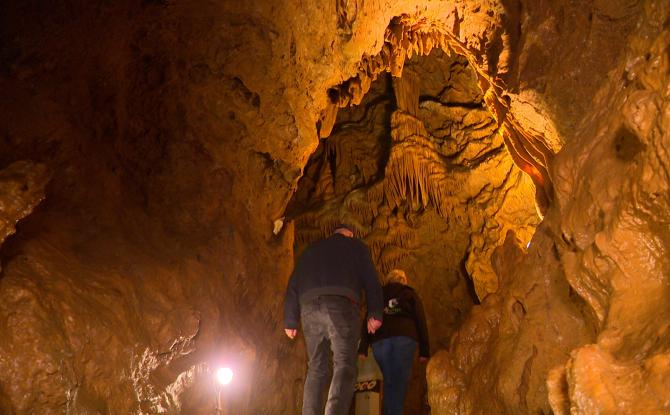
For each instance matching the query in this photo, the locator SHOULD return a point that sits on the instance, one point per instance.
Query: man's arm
(373, 289)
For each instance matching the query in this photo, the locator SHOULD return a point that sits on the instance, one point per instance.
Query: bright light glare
(224, 375)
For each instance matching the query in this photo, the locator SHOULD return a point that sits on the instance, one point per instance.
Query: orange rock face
(149, 152)
(421, 173)
(597, 346)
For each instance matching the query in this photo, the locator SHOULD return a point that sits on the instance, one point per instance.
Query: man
(324, 293)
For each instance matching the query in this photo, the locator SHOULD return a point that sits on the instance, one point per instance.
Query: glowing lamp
(224, 376)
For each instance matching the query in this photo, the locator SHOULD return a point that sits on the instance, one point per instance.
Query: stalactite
(327, 120)
(407, 36)
(438, 151)
(357, 204)
(516, 145)
(375, 195)
(325, 187)
(415, 171)
(391, 257)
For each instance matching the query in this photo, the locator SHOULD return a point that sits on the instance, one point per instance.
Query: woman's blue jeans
(395, 356)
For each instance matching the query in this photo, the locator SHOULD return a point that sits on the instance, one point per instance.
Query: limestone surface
(149, 149)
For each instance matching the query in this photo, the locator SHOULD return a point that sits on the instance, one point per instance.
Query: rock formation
(420, 171)
(161, 163)
(579, 336)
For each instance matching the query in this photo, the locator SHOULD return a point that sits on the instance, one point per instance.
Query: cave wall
(420, 172)
(618, 262)
(172, 135)
(128, 283)
(578, 324)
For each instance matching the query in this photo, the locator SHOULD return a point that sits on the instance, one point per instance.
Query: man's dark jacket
(337, 265)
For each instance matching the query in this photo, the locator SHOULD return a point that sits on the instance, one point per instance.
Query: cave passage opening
(421, 171)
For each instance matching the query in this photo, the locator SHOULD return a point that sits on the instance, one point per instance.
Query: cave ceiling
(421, 151)
(162, 162)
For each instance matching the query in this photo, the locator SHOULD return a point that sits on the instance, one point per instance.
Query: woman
(395, 343)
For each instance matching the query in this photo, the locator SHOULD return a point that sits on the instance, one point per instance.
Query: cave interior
(162, 164)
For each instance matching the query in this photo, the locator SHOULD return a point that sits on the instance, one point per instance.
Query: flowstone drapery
(150, 159)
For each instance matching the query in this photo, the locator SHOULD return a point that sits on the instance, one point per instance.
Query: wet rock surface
(421, 173)
(147, 150)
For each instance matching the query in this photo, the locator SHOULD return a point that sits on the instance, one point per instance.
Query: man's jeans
(395, 356)
(330, 323)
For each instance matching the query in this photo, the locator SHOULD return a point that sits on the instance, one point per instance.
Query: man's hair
(343, 226)
(396, 275)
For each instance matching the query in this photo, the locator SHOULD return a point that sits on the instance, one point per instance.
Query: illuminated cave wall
(579, 323)
(420, 151)
(422, 174)
(425, 180)
(148, 148)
